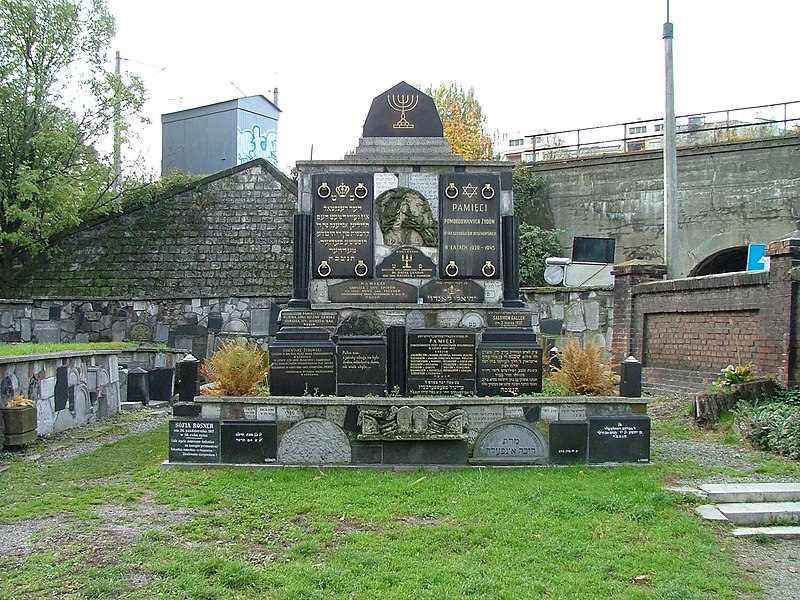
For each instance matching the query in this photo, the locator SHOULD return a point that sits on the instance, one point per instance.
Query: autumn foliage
(583, 372)
(463, 121)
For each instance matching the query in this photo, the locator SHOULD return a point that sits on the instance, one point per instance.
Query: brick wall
(228, 235)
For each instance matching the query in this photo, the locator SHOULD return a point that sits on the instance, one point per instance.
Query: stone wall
(728, 195)
(228, 235)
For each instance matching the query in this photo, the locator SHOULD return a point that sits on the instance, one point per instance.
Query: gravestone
(194, 441)
(509, 318)
(303, 362)
(309, 318)
(249, 442)
(314, 441)
(438, 292)
(361, 366)
(343, 232)
(510, 442)
(568, 442)
(372, 291)
(441, 362)
(403, 111)
(509, 363)
(619, 439)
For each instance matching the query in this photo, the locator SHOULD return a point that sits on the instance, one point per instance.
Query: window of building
(637, 129)
(659, 127)
(516, 142)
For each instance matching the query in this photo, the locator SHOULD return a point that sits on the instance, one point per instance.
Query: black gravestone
(551, 326)
(509, 363)
(619, 439)
(431, 452)
(509, 318)
(361, 366)
(194, 441)
(403, 111)
(441, 362)
(372, 291)
(407, 263)
(309, 318)
(470, 226)
(568, 443)
(62, 385)
(161, 382)
(446, 292)
(343, 232)
(249, 442)
(303, 362)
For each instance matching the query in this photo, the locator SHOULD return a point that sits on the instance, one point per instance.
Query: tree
(463, 121)
(58, 102)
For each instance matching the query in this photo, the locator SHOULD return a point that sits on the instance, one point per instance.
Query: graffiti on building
(255, 143)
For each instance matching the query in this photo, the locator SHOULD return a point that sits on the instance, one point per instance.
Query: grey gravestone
(372, 290)
(407, 263)
(314, 441)
(459, 291)
(309, 318)
(259, 321)
(403, 111)
(470, 226)
(249, 442)
(367, 453)
(441, 362)
(303, 362)
(509, 363)
(568, 443)
(619, 439)
(510, 442)
(141, 332)
(572, 412)
(361, 366)
(47, 333)
(551, 326)
(194, 441)
(343, 232)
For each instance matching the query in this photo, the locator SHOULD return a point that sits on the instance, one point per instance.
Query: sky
(534, 65)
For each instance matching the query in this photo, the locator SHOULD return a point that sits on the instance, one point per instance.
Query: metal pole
(670, 162)
(117, 127)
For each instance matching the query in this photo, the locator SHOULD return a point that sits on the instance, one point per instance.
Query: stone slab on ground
(710, 513)
(752, 492)
(760, 513)
(786, 532)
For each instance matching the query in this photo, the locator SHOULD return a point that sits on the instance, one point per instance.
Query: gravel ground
(775, 564)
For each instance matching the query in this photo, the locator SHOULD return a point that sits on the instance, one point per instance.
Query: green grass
(575, 532)
(31, 348)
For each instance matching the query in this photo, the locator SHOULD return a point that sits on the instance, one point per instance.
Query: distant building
(212, 138)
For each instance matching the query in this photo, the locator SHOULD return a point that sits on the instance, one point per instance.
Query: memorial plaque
(249, 442)
(372, 291)
(259, 321)
(289, 414)
(470, 226)
(343, 232)
(382, 182)
(437, 291)
(568, 443)
(303, 363)
(441, 362)
(510, 318)
(510, 442)
(426, 184)
(141, 332)
(194, 441)
(509, 363)
(336, 414)
(548, 413)
(266, 413)
(480, 417)
(619, 439)
(407, 263)
(572, 412)
(514, 412)
(309, 318)
(361, 366)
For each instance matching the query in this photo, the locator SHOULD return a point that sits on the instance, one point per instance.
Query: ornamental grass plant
(237, 369)
(582, 371)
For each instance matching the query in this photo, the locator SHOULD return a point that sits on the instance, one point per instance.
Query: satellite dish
(554, 274)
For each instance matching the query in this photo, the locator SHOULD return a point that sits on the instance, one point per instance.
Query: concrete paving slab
(761, 513)
(752, 492)
(789, 532)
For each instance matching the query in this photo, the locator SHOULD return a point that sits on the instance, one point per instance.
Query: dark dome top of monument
(403, 111)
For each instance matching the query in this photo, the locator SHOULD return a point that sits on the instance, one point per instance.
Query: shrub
(583, 372)
(731, 375)
(535, 245)
(237, 369)
(770, 425)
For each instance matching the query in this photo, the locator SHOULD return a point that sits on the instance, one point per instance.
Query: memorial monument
(405, 341)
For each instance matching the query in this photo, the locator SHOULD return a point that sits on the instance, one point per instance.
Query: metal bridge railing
(752, 122)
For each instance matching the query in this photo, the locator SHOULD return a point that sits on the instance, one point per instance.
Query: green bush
(772, 424)
(535, 245)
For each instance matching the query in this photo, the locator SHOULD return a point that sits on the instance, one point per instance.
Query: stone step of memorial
(783, 532)
(752, 492)
(753, 513)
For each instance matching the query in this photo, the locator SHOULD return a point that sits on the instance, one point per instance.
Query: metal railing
(752, 122)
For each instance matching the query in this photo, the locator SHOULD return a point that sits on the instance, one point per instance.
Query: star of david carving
(470, 190)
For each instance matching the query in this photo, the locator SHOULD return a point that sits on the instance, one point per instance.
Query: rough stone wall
(728, 194)
(228, 235)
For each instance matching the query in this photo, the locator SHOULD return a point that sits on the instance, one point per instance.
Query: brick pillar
(779, 320)
(626, 276)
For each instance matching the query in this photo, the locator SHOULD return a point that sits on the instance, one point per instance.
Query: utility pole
(670, 161)
(117, 127)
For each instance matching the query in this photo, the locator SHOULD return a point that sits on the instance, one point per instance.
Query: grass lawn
(113, 524)
(46, 348)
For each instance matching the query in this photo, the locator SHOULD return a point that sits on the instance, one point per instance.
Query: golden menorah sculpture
(403, 103)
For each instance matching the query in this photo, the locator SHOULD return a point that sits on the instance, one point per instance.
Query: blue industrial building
(212, 138)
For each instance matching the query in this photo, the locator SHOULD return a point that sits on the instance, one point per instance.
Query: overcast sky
(539, 64)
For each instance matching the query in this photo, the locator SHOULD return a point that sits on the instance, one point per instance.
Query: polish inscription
(343, 232)
(194, 441)
(441, 362)
(470, 226)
